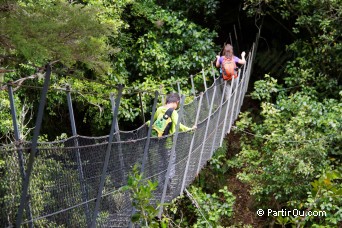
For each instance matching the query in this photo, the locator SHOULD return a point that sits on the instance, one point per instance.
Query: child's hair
(228, 51)
(172, 97)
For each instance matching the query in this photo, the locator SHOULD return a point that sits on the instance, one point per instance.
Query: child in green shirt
(172, 102)
(164, 144)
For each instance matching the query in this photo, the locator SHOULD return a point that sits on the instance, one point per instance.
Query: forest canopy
(135, 43)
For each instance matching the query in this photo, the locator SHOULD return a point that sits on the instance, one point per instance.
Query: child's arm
(243, 60)
(217, 61)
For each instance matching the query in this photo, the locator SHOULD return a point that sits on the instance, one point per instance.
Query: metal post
(148, 139)
(217, 82)
(105, 165)
(231, 41)
(205, 86)
(163, 99)
(240, 85)
(206, 130)
(253, 52)
(242, 96)
(178, 87)
(245, 75)
(162, 96)
(245, 82)
(20, 152)
(218, 120)
(16, 130)
(192, 86)
(251, 60)
(179, 92)
(173, 151)
(204, 80)
(116, 127)
(248, 70)
(78, 157)
(193, 90)
(256, 43)
(142, 109)
(213, 72)
(33, 149)
(244, 85)
(71, 112)
(226, 114)
(236, 38)
(118, 139)
(233, 105)
(191, 144)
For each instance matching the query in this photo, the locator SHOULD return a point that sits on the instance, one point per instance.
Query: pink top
(236, 59)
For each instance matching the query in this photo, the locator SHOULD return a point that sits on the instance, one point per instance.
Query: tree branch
(5, 71)
(99, 106)
(20, 81)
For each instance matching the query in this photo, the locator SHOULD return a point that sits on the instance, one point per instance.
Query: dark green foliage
(298, 137)
(170, 49)
(49, 171)
(47, 31)
(208, 202)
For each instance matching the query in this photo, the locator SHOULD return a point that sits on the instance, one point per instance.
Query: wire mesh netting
(64, 187)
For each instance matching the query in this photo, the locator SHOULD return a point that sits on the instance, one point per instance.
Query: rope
(194, 202)
(129, 90)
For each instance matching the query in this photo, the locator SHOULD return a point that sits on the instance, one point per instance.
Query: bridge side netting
(73, 169)
(67, 173)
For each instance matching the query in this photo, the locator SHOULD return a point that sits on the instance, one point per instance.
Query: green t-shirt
(174, 118)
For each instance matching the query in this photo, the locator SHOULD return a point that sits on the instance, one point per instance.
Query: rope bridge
(83, 176)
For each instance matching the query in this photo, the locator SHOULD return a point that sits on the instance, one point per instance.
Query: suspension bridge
(85, 176)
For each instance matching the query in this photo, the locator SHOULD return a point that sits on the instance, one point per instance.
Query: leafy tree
(325, 196)
(204, 9)
(5, 116)
(316, 47)
(297, 134)
(47, 31)
(164, 47)
(141, 195)
(292, 144)
(212, 208)
(73, 37)
(113, 47)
